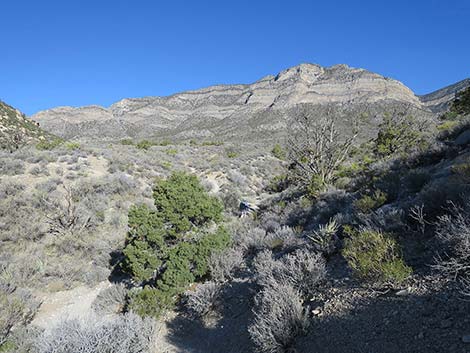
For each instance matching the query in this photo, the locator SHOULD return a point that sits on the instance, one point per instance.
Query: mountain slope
(439, 100)
(260, 110)
(17, 130)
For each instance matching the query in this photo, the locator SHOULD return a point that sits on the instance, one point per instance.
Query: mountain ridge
(210, 111)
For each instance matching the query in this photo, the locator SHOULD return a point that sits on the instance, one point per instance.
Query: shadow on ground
(393, 324)
(229, 334)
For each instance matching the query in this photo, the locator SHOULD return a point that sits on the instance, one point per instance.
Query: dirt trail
(74, 303)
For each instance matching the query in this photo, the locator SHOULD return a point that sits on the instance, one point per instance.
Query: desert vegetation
(341, 228)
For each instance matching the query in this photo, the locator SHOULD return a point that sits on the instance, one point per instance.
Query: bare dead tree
(65, 216)
(316, 148)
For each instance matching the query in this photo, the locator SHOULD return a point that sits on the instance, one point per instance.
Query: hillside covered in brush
(323, 240)
(16, 130)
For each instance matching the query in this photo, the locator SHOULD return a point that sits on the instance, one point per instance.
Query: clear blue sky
(81, 52)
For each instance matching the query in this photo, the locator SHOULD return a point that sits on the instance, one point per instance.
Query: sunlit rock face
(259, 110)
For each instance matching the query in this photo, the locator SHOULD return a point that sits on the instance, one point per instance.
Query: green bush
(127, 142)
(48, 144)
(71, 145)
(461, 104)
(315, 187)
(278, 152)
(169, 247)
(375, 256)
(278, 183)
(462, 171)
(231, 153)
(447, 125)
(212, 143)
(144, 145)
(183, 204)
(150, 302)
(369, 203)
(171, 151)
(397, 134)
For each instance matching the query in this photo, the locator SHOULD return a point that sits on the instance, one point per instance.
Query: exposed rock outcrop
(259, 110)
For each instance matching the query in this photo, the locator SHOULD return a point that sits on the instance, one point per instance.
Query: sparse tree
(316, 148)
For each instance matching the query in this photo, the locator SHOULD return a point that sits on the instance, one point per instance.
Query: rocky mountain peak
(258, 109)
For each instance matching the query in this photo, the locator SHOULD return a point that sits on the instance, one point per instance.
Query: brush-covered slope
(440, 100)
(17, 130)
(259, 110)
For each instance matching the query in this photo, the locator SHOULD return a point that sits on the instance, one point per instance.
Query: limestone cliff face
(233, 111)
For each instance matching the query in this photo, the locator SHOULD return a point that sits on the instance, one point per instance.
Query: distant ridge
(260, 110)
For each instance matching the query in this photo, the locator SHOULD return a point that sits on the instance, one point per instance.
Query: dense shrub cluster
(375, 256)
(169, 247)
(398, 133)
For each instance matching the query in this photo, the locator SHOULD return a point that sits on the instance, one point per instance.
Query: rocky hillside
(439, 100)
(259, 110)
(16, 130)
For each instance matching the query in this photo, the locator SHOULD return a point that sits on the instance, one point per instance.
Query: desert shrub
(183, 204)
(169, 247)
(325, 239)
(204, 299)
(144, 145)
(417, 179)
(222, 265)
(230, 152)
(454, 232)
(462, 171)
(251, 239)
(284, 238)
(278, 152)
(39, 170)
(368, 203)
(123, 334)
(10, 188)
(110, 300)
(389, 219)
(301, 269)
(398, 133)
(48, 144)
(231, 199)
(150, 301)
(48, 186)
(212, 143)
(375, 256)
(11, 167)
(72, 145)
(171, 151)
(68, 213)
(17, 308)
(461, 104)
(436, 196)
(127, 142)
(279, 318)
(278, 183)
(447, 126)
